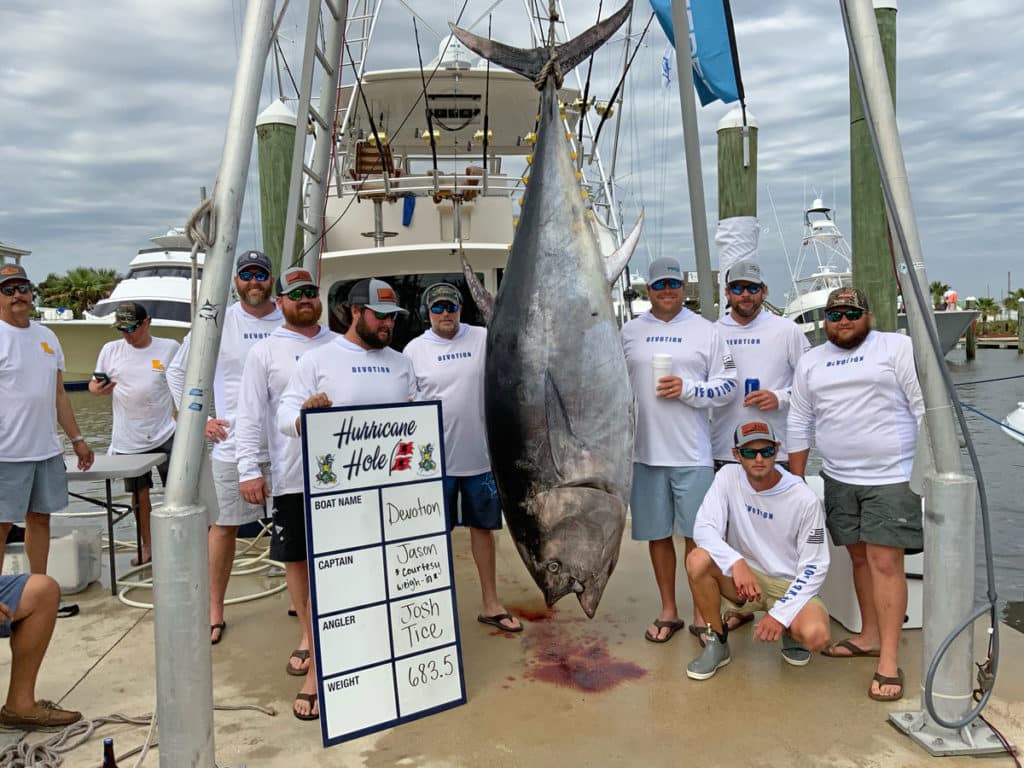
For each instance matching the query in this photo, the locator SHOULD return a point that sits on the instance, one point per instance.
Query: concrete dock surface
(566, 692)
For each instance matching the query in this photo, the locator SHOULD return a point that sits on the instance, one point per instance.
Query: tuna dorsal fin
(562, 440)
(615, 262)
(484, 300)
(530, 62)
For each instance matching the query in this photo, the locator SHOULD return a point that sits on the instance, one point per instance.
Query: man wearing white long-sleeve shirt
(254, 317)
(672, 465)
(268, 368)
(760, 537)
(862, 382)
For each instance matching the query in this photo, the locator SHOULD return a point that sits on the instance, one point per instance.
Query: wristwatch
(77, 439)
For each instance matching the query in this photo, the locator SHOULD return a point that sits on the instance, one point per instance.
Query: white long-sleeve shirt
(767, 349)
(676, 433)
(268, 368)
(779, 532)
(348, 375)
(452, 371)
(863, 406)
(241, 332)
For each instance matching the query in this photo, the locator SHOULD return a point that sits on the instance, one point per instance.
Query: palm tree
(79, 289)
(1010, 303)
(988, 307)
(937, 290)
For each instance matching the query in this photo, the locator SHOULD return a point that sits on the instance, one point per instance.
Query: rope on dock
(987, 381)
(993, 419)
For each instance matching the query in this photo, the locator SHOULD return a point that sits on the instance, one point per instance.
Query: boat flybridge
(406, 212)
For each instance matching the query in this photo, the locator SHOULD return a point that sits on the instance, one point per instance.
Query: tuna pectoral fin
(484, 300)
(615, 262)
(566, 447)
(530, 62)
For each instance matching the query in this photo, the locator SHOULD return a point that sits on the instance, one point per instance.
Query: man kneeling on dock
(760, 536)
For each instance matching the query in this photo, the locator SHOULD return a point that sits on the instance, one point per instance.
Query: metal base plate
(976, 739)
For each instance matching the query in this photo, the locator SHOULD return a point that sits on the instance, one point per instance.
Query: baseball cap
(441, 292)
(847, 297)
(753, 431)
(128, 315)
(376, 295)
(12, 272)
(253, 259)
(745, 271)
(664, 268)
(293, 278)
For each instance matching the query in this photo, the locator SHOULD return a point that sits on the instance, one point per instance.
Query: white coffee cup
(661, 365)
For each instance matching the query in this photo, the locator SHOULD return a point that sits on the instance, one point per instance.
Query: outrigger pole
(948, 722)
(181, 594)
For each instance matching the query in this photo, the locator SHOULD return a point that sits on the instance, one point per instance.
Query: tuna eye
(554, 566)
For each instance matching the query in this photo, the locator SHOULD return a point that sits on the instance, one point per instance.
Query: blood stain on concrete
(581, 663)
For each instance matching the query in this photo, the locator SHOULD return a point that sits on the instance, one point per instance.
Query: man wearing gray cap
(760, 536)
(864, 380)
(672, 464)
(132, 371)
(255, 316)
(449, 363)
(33, 479)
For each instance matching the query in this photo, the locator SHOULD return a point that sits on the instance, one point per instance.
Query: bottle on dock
(109, 761)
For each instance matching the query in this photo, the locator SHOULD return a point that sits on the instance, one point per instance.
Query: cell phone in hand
(101, 377)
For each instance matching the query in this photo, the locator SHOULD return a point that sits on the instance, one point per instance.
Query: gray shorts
(11, 587)
(32, 486)
(666, 499)
(232, 508)
(889, 515)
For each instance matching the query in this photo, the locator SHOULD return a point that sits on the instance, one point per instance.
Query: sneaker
(794, 653)
(715, 655)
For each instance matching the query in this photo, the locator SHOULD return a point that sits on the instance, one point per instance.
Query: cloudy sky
(114, 116)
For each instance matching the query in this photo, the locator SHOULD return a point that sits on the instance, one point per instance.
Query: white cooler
(74, 562)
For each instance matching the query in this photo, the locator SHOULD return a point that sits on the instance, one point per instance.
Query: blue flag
(713, 72)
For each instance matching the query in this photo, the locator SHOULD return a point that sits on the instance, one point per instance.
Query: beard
(255, 295)
(852, 342)
(301, 315)
(373, 339)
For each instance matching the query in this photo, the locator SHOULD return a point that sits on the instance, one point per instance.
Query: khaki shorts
(772, 589)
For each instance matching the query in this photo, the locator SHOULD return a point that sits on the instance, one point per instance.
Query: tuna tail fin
(615, 262)
(482, 297)
(533, 62)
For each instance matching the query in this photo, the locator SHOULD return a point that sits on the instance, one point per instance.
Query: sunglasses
(10, 290)
(131, 328)
(752, 288)
(666, 282)
(750, 453)
(444, 306)
(380, 315)
(835, 315)
(308, 292)
(259, 277)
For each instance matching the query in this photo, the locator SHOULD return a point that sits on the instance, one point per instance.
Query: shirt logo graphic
(158, 366)
(47, 348)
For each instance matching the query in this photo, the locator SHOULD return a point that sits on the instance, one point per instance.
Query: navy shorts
(480, 506)
(288, 536)
(142, 482)
(11, 587)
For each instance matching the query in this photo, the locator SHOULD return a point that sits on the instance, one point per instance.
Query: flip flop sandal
(295, 671)
(855, 651)
(311, 698)
(671, 626)
(741, 618)
(698, 632)
(496, 621)
(222, 626)
(883, 680)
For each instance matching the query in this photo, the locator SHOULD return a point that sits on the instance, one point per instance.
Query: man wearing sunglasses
(864, 382)
(136, 368)
(255, 316)
(449, 363)
(33, 479)
(760, 537)
(672, 464)
(268, 368)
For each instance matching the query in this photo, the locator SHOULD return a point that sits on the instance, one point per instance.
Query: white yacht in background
(825, 250)
(1013, 424)
(159, 278)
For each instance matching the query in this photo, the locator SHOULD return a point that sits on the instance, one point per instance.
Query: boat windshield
(158, 310)
(409, 289)
(165, 271)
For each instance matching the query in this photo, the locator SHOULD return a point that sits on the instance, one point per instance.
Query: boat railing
(441, 185)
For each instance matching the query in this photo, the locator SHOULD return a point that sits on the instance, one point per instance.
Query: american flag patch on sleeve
(817, 536)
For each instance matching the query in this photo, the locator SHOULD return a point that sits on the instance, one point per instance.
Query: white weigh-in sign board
(385, 622)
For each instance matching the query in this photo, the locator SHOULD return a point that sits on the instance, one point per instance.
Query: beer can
(751, 385)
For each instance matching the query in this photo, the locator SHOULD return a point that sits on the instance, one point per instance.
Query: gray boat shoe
(793, 653)
(715, 654)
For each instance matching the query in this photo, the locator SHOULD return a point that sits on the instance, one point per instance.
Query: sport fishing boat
(825, 251)
(161, 278)
(1013, 425)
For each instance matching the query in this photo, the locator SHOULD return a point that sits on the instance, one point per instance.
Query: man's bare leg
(35, 617)
(5, 531)
(37, 541)
(703, 575)
(863, 583)
(890, 599)
(810, 628)
(481, 542)
(296, 576)
(663, 559)
(222, 540)
(143, 509)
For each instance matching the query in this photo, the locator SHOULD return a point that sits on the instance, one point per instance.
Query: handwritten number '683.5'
(421, 674)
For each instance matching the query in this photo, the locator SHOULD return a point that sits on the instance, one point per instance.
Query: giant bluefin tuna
(559, 408)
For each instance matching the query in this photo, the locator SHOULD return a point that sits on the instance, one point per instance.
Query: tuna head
(578, 546)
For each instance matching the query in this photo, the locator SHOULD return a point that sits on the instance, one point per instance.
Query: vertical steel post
(180, 553)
